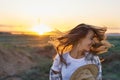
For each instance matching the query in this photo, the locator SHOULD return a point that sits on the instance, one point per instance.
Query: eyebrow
(92, 36)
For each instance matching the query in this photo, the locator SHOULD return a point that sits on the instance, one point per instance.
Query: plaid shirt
(90, 59)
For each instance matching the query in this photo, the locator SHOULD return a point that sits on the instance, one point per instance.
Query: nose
(92, 42)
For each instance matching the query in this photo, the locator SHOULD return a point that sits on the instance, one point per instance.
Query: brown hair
(67, 41)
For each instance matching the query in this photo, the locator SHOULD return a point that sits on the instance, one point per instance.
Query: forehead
(91, 33)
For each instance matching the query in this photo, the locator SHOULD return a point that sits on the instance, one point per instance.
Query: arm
(98, 63)
(95, 60)
(55, 69)
(54, 75)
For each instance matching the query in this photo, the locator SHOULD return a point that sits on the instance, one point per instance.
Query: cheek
(85, 45)
(88, 42)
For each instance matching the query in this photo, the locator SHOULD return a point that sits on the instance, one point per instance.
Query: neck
(77, 53)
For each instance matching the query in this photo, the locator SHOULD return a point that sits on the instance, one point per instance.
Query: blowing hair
(67, 41)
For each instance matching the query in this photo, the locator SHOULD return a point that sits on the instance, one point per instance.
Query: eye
(91, 38)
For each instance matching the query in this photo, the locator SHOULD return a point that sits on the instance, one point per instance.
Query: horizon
(35, 33)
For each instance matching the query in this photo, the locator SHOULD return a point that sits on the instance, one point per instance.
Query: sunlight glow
(41, 29)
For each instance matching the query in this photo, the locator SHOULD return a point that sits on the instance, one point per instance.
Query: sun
(41, 29)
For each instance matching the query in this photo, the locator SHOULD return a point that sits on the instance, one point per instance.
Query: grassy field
(42, 53)
(111, 65)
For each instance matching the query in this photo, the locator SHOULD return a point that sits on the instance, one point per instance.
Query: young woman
(79, 47)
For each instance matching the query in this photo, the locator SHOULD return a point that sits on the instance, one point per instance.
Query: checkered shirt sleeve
(53, 76)
(98, 63)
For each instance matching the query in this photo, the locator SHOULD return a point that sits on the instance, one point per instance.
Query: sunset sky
(24, 15)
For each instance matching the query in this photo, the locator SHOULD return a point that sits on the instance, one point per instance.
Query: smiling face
(86, 43)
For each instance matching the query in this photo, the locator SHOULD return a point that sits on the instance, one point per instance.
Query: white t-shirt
(72, 65)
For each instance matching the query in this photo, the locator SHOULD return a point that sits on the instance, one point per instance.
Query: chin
(87, 50)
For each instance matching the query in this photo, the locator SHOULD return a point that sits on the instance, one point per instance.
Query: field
(111, 64)
(34, 58)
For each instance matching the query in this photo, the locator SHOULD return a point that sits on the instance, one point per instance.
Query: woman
(79, 47)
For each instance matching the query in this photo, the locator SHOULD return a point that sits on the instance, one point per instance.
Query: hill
(113, 34)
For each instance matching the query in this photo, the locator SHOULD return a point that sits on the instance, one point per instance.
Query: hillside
(14, 61)
(113, 34)
(30, 58)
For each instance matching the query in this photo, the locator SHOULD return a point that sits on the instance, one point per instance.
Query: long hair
(67, 41)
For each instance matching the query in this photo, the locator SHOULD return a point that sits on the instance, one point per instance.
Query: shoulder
(64, 56)
(91, 57)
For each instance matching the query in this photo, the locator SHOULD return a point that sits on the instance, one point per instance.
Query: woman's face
(86, 43)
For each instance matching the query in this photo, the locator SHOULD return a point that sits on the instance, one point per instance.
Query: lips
(88, 48)
(89, 45)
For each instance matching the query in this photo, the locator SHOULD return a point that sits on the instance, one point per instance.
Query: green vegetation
(38, 47)
(111, 65)
(39, 72)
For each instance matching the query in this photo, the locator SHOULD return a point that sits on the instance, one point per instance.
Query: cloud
(114, 28)
(2, 25)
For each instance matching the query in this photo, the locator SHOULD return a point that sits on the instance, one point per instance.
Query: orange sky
(23, 15)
